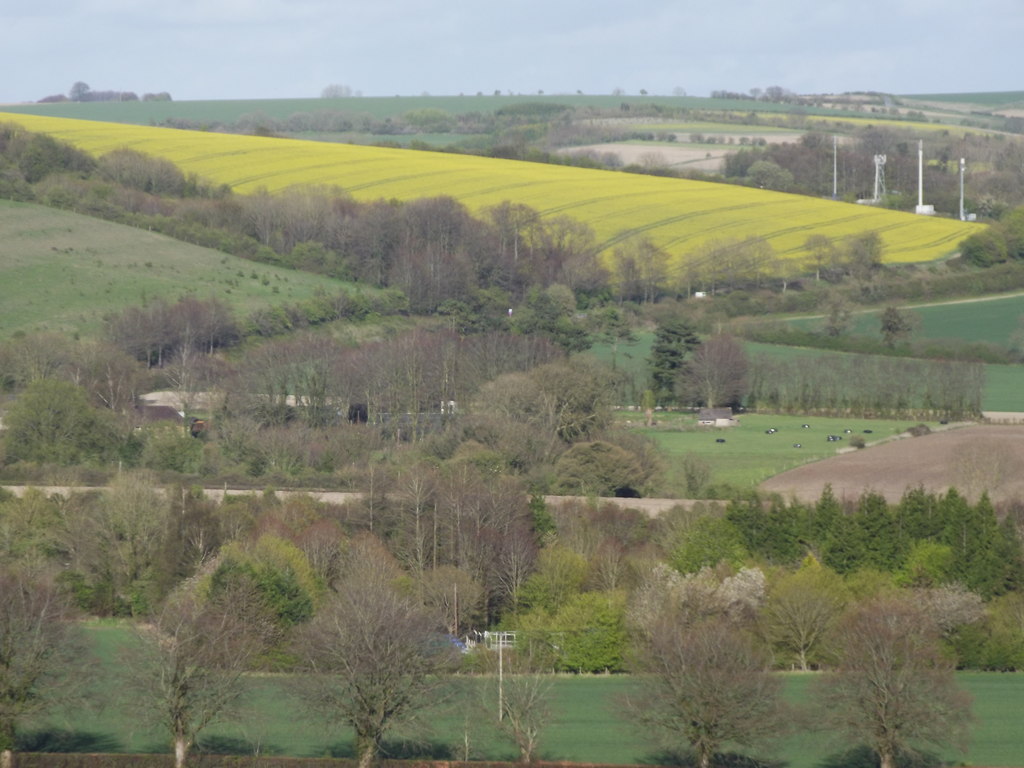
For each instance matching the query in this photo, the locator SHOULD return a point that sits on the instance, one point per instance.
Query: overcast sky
(223, 49)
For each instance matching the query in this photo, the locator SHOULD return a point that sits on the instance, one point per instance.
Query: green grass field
(749, 455)
(60, 271)
(588, 721)
(993, 99)
(993, 320)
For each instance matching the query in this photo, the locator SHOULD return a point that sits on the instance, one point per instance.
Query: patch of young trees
(866, 385)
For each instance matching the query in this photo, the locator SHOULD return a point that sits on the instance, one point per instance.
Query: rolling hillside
(60, 271)
(678, 215)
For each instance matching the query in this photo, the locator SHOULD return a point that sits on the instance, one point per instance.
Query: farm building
(717, 417)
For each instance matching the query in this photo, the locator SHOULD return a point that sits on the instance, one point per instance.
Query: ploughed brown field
(972, 459)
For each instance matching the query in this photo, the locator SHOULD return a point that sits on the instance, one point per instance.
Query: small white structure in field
(717, 417)
(922, 209)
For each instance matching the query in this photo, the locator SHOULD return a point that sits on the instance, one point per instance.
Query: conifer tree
(673, 340)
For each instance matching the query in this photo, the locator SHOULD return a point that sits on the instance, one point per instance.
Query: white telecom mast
(963, 216)
(926, 210)
(835, 167)
(879, 178)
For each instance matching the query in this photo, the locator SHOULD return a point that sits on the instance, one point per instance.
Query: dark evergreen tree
(1011, 553)
(918, 516)
(823, 517)
(844, 550)
(775, 533)
(975, 538)
(878, 532)
(674, 338)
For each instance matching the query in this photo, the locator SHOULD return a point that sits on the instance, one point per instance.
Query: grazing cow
(797, 445)
(868, 431)
(805, 426)
(719, 439)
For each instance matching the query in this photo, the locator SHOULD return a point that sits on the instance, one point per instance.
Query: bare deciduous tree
(893, 689)
(39, 653)
(717, 373)
(186, 670)
(523, 699)
(709, 685)
(373, 655)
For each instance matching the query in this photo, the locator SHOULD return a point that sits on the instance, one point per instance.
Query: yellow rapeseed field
(676, 214)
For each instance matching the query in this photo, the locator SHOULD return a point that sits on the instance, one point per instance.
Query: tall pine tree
(674, 338)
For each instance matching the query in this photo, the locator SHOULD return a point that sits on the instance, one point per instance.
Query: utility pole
(835, 167)
(501, 678)
(963, 216)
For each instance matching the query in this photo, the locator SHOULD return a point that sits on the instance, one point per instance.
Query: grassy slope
(588, 721)
(60, 271)
(993, 319)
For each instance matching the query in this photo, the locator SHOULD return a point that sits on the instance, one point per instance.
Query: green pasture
(990, 319)
(588, 721)
(749, 455)
(61, 271)
(1004, 388)
(994, 99)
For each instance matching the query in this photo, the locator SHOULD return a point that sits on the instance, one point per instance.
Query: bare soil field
(661, 155)
(704, 157)
(972, 459)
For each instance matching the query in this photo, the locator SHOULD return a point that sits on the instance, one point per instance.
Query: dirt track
(651, 507)
(971, 459)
